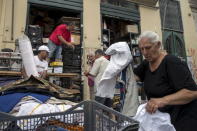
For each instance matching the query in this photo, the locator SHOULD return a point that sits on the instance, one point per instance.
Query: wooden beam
(14, 73)
(71, 75)
(10, 73)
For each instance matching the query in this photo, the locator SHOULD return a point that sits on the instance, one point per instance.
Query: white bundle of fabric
(27, 56)
(120, 58)
(153, 122)
(33, 107)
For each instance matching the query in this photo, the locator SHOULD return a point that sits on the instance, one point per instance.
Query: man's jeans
(57, 49)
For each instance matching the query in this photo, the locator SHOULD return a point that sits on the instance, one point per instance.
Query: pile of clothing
(36, 85)
(37, 96)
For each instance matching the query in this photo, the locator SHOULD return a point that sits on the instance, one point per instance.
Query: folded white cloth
(153, 122)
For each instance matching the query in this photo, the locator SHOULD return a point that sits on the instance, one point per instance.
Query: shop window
(116, 30)
(48, 18)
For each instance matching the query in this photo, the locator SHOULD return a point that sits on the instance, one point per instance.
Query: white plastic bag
(27, 56)
(153, 122)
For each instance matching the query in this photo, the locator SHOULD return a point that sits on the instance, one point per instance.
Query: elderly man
(40, 61)
(98, 68)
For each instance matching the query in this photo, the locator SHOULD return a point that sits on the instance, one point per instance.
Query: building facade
(192, 46)
(98, 16)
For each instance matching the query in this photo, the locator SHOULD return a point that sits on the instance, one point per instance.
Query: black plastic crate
(71, 57)
(75, 63)
(69, 50)
(72, 71)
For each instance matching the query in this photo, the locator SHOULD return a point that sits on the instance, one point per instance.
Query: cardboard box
(45, 40)
(58, 69)
(75, 38)
(132, 28)
(50, 70)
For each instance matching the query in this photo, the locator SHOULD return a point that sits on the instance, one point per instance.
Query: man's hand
(65, 42)
(136, 78)
(86, 73)
(43, 74)
(71, 45)
(155, 103)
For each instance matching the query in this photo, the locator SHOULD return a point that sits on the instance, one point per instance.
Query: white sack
(27, 56)
(120, 58)
(153, 122)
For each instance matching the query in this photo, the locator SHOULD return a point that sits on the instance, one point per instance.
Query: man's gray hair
(152, 36)
(70, 23)
(99, 52)
(64, 20)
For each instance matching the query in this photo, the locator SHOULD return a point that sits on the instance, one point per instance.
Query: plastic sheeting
(153, 122)
(120, 58)
(27, 56)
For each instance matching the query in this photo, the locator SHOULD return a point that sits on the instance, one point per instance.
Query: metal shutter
(171, 15)
(68, 4)
(125, 10)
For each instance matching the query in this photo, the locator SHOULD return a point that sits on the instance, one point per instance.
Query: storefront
(121, 22)
(42, 18)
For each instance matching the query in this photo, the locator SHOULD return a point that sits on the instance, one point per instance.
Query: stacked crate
(35, 33)
(10, 61)
(72, 58)
(72, 63)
